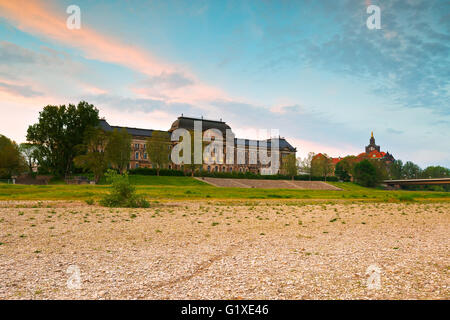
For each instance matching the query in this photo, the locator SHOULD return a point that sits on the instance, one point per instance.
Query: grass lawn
(186, 188)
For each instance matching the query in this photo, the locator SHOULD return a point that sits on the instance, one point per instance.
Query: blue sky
(311, 69)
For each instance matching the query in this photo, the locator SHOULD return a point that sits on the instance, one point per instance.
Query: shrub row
(153, 172)
(233, 175)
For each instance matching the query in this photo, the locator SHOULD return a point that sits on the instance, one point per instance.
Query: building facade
(246, 148)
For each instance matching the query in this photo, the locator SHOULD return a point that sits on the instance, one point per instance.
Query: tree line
(370, 172)
(67, 140)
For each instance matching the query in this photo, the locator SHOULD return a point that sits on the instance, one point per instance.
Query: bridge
(411, 182)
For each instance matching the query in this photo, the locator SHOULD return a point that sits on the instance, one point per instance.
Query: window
(136, 165)
(136, 155)
(217, 169)
(209, 169)
(145, 155)
(230, 169)
(136, 145)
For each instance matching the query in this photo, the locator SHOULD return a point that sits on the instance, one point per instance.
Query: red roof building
(372, 152)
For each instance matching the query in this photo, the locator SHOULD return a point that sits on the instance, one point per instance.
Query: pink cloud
(35, 17)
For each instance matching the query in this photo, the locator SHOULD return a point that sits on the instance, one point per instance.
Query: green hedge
(233, 175)
(152, 172)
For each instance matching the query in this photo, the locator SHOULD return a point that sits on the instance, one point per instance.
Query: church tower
(372, 146)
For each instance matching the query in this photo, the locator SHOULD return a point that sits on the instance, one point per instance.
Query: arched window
(209, 169)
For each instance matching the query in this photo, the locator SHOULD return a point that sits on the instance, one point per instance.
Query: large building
(140, 158)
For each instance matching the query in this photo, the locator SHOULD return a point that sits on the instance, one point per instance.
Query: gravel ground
(226, 250)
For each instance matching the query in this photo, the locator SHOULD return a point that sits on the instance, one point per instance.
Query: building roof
(132, 131)
(188, 124)
(336, 160)
(374, 154)
(282, 143)
(333, 160)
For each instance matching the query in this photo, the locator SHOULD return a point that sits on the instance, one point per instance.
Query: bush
(123, 194)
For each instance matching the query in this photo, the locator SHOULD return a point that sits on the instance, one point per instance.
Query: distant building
(372, 152)
(140, 158)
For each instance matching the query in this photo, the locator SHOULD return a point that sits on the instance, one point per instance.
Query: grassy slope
(189, 188)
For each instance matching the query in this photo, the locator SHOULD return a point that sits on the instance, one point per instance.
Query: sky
(310, 69)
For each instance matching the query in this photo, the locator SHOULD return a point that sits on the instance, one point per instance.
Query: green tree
(118, 149)
(365, 173)
(322, 166)
(30, 153)
(411, 170)
(290, 166)
(11, 160)
(342, 172)
(94, 159)
(59, 130)
(344, 168)
(435, 172)
(158, 149)
(396, 169)
(382, 169)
